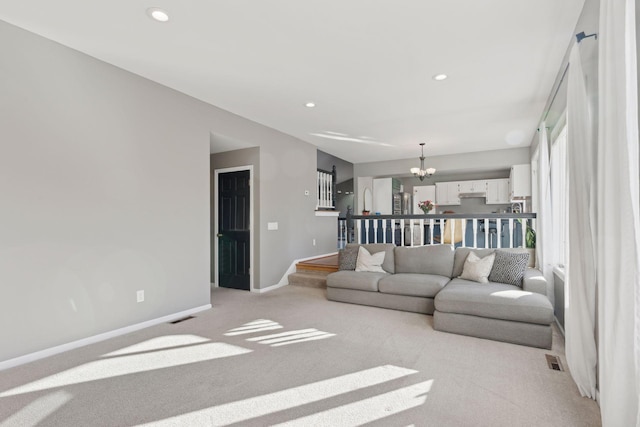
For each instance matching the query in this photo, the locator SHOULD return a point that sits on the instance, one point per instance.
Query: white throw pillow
(477, 269)
(368, 262)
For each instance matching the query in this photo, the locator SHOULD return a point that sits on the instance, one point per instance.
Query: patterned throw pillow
(348, 257)
(509, 267)
(476, 268)
(368, 262)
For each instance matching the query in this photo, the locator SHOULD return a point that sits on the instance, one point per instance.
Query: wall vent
(554, 362)
(181, 320)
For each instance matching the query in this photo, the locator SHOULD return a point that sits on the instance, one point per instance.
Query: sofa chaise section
(496, 311)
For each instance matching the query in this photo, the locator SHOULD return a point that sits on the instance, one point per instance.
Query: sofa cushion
(347, 258)
(420, 285)
(373, 248)
(494, 300)
(359, 280)
(428, 259)
(369, 262)
(462, 252)
(509, 267)
(461, 256)
(476, 268)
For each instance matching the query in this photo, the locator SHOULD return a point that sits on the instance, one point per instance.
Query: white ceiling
(367, 64)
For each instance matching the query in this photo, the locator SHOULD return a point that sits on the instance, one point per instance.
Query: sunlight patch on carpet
(132, 364)
(160, 343)
(35, 412)
(260, 325)
(246, 409)
(292, 337)
(368, 410)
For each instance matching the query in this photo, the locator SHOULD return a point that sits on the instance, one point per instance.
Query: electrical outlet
(140, 296)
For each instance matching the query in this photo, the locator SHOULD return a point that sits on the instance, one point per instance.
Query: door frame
(216, 172)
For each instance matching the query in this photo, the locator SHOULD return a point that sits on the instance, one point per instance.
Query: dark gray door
(233, 230)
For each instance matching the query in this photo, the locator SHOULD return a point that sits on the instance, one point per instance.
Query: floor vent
(181, 320)
(554, 362)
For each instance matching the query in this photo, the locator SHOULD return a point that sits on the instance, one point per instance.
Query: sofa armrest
(534, 281)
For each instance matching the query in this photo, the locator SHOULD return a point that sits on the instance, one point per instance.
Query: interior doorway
(233, 227)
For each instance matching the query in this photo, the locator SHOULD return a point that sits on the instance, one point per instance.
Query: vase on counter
(426, 206)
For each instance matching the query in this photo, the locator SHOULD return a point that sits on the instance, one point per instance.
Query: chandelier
(421, 172)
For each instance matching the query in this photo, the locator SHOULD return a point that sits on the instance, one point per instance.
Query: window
(559, 196)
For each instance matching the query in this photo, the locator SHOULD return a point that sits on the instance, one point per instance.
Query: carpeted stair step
(309, 279)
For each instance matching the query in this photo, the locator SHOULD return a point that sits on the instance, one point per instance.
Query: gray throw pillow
(348, 257)
(509, 267)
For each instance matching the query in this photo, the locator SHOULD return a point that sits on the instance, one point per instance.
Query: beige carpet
(290, 357)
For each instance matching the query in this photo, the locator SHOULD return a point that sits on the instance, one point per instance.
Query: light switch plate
(272, 226)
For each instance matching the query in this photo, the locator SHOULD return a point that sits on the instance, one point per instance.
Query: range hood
(482, 194)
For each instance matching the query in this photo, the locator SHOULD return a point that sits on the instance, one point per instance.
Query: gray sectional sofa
(425, 279)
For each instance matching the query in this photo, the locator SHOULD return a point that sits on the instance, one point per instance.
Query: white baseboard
(284, 281)
(31, 357)
(270, 288)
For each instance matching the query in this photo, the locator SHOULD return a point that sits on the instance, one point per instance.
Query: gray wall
(344, 169)
(557, 102)
(229, 159)
(345, 197)
(105, 191)
(103, 177)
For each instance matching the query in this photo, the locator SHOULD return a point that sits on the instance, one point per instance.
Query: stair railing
(510, 230)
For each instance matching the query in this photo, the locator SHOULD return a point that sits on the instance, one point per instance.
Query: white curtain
(544, 237)
(580, 271)
(618, 242)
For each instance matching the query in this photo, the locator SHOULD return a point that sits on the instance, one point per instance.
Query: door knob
(219, 234)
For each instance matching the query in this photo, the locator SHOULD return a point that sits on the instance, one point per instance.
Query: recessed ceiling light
(158, 14)
(440, 77)
(310, 104)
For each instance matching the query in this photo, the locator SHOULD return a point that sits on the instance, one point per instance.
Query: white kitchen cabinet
(422, 193)
(520, 181)
(447, 193)
(478, 186)
(498, 191)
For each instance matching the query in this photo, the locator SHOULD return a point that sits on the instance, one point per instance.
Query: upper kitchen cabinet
(520, 181)
(479, 186)
(498, 191)
(447, 193)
